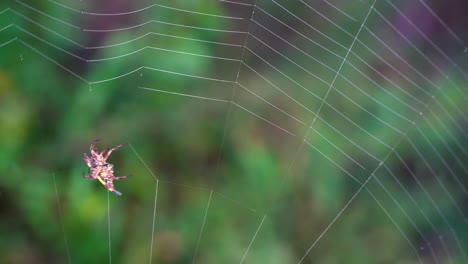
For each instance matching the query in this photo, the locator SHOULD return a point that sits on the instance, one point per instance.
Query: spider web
(265, 131)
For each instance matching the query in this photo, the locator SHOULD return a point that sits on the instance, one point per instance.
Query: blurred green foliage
(229, 186)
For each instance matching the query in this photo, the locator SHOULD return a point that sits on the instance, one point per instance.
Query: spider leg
(112, 149)
(121, 177)
(117, 192)
(88, 177)
(92, 148)
(103, 152)
(87, 160)
(110, 186)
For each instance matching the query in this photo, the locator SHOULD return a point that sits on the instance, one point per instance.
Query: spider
(100, 169)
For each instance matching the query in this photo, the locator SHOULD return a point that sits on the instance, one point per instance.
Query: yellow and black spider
(101, 170)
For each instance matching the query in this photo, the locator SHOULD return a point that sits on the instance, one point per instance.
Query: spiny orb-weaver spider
(101, 170)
